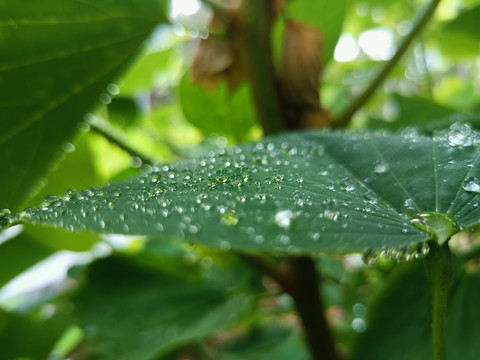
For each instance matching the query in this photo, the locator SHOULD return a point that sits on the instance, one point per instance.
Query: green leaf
(460, 35)
(301, 192)
(56, 58)
(19, 254)
(219, 111)
(132, 313)
(29, 337)
(326, 16)
(401, 305)
(269, 343)
(424, 114)
(141, 76)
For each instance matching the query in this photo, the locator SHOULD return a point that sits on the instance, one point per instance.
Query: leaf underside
(56, 58)
(302, 192)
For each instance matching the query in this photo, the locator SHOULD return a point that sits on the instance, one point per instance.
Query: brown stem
(256, 19)
(308, 301)
(344, 118)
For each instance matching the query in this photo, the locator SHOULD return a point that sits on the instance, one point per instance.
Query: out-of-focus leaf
(132, 313)
(123, 111)
(460, 35)
(76, 170)
(19, 254)
(327, 16)
(141, 77)
(56, 58)
(424, 114)
(398, 322)
(272, 343)
(61, 239)
(23, 336)
(219, 111)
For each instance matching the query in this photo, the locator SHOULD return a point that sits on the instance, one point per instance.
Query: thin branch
(256, 18)
(344, 118)
(118, 140)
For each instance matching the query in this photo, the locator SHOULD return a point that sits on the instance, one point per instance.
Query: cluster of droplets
(401, 254)
(6, 218)
(267, 185)
(458, 135)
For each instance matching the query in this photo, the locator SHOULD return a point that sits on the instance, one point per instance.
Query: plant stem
(438, 265)
(308, 301)
(256, 17)
(117, 140)
(344, 118)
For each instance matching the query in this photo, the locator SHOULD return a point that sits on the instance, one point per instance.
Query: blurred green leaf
(56, 58)
(422, 113)
(220, 111)
(75, 170)
(132, 313)
(29, 337)
(460, 35)
(141, 76)
(123, 112)
(269, 343)
(61, 239)
(398, 321)
(19, 254)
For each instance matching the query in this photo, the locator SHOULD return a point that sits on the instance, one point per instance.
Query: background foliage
(95, 92)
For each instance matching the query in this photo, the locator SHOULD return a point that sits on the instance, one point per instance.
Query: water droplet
(359, 325)
(135, 162)
(331, 215)
(229, 218)
(284, 218)
(113, 89)
(68, 147)
(471, 184)
(380, 168)
(370, 257)
(5, 218)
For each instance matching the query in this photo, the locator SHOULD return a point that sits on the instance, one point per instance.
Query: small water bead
(284, 218)
(370, 257)
(331, 215)
(471, 184)
(283, 239)
(229, 218)
(380, 168)
(5, 218)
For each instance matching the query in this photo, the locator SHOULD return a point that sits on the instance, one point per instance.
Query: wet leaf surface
(301, 192)
(132, 312)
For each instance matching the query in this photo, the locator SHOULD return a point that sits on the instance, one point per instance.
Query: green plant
(210, 232)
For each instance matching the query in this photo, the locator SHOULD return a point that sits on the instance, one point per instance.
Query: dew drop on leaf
(471, 184)
(370, 257)
(380, 168)
(229, 218)
(284, 218)
(5, 218)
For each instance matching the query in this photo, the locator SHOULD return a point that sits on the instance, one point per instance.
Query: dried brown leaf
(301, 64)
